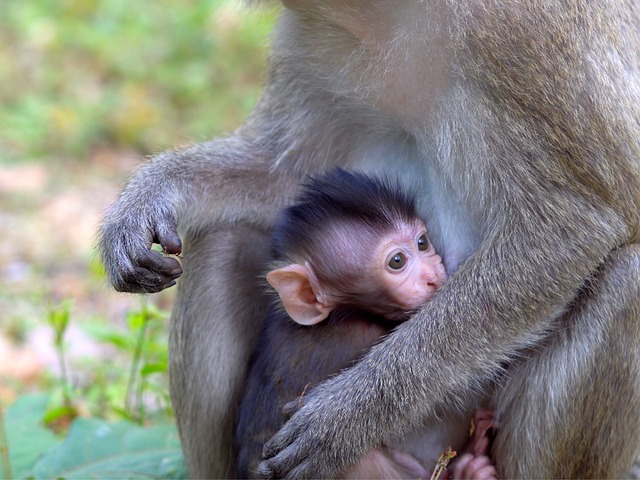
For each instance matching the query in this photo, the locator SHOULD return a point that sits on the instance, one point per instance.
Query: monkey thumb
(169, 241)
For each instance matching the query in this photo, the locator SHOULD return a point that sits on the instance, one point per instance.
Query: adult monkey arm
(553, 88)
(377, 400)
(233, 180)
(176, 186)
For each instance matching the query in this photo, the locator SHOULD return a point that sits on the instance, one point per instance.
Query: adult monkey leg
(206, 373)
(590, 372)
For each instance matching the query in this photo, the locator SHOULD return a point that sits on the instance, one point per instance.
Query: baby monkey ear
(297, 294)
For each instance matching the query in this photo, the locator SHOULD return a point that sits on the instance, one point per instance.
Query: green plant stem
(4, 448)
(64, 377)
(59, 320)
(137, 355)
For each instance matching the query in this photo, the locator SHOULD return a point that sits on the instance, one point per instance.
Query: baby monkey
(352, 260)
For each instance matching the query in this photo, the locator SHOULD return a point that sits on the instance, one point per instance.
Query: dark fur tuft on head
(341, 197)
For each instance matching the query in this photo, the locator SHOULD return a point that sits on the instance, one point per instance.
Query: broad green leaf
(136, 320)
(26, 436)
(99, 449)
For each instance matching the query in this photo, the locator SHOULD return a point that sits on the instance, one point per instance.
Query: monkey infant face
(399, 274)
(408, 266)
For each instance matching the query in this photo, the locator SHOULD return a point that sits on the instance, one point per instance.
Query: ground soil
(49, 214)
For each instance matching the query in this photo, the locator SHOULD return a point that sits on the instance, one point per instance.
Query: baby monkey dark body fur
(334, 231)
(291, 359)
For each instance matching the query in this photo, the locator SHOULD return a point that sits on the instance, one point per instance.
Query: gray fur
(519, 122)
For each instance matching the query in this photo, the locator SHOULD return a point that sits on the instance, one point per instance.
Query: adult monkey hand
(126, 236)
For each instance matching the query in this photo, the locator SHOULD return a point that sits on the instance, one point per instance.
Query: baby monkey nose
(432, 278)
(434, 275)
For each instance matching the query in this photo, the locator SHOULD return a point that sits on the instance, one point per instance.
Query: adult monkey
(520, 122)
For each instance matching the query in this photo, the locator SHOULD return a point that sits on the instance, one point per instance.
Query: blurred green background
(88, 90)
(76, 75)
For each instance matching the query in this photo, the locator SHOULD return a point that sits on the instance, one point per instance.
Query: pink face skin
(404, 268)
(411, 269)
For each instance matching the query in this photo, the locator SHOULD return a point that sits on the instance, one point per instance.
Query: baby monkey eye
(423, 243)
(397, 261)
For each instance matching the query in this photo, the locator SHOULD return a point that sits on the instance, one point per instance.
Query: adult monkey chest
(389, 71)
(522, 133)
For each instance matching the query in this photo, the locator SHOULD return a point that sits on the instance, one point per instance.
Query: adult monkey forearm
(426, 370)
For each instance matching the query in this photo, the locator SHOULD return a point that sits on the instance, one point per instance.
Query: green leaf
(99, 449)
(58, 413)
(136, 320)
(149, 368)
(27, 438)
(59, 318)
(154, 313)
(122, 341)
